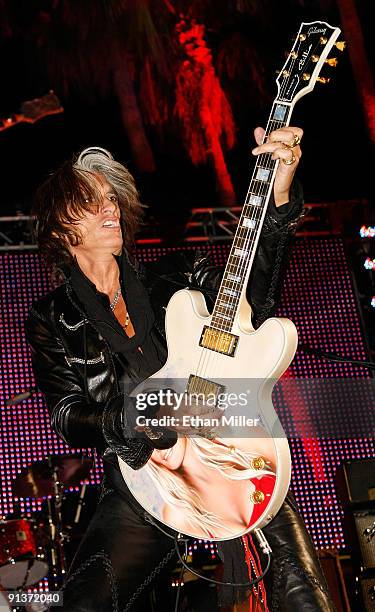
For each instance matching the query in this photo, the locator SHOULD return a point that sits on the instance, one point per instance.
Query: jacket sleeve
(274, 249)
(270, 261)
(78, 420)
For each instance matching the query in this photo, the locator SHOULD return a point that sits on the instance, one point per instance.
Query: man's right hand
(189, 416)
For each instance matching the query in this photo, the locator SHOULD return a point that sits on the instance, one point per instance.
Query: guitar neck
(242, 253)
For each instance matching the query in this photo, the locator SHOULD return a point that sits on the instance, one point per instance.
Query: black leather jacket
(79, 383)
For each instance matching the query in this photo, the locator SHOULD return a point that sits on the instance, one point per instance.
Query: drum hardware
(38, 480)
(4, 603)
(80, 503)
(21, 561)
(49, 478)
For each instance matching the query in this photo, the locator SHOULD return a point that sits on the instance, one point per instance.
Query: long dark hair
(65, 196)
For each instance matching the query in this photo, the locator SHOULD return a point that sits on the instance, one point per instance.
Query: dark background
(337, 162)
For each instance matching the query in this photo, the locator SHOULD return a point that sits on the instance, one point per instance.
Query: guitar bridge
(218, 341)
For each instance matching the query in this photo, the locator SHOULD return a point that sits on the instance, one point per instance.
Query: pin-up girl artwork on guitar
(211, 488)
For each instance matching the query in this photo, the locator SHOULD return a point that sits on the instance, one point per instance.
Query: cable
(265, 549)
(334, 357)
(250, 584)
(148, 518)
(179, 587)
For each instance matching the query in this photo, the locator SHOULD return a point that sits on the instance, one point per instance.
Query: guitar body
(261, 357)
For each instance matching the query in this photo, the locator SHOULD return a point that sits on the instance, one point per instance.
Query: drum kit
(39, 545)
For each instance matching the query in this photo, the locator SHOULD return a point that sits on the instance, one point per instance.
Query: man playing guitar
(105, 324)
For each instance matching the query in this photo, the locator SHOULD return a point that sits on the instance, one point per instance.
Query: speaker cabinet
(356, 481)
(367, 586)
(364, 522)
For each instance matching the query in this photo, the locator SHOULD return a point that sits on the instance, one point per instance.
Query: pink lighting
(317, 296)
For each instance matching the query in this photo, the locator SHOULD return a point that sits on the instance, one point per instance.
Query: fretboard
(246, 238)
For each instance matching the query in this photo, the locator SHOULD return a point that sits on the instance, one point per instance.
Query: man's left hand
(284, 144)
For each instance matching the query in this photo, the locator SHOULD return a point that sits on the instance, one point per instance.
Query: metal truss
(16, 233)
(209, 224)
(321, 219)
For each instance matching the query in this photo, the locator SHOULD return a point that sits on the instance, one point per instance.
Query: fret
(290, 87)
(225, 311)
(249, 223)
(233, 267)
(233, 278)
(227, 295)
(248, 229)
(240, 244)
(280, 112)
(248, 207)
(243, 236)
(263, 174)
(216, 316)
(222, 316)
(240, 253)
(259, 190)
(255, 200)
(225, 305)
(230, 292)
(260, 185)
(240, 237)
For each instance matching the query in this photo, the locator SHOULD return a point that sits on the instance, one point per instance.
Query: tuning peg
(323, 40)
(302, 37)
(293, 54)
(315, 58)
(340, 45)
(333, 61)
(306, 76)
(323, 80)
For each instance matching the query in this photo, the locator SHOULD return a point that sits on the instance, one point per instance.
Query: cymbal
(37, 480)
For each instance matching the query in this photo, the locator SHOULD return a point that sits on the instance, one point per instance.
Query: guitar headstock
(305, 61)
(33, 110)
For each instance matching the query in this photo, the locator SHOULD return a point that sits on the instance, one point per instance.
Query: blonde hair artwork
(232, 464)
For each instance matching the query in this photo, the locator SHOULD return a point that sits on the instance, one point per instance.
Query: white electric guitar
(223, 487)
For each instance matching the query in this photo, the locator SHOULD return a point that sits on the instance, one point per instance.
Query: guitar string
(250, 237)
(254, 214)
(244, 237)
(264, 161)
(244, 240)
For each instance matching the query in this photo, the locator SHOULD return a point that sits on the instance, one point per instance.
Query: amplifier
(356, 481)
(368, 593)
(364, 522)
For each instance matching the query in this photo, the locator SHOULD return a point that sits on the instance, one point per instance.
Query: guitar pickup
(204, 387)
(218, 341)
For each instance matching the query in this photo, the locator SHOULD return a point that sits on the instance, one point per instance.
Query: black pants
(121, 554)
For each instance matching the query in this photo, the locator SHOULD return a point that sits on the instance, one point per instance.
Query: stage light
(369, 263)
(367, 231)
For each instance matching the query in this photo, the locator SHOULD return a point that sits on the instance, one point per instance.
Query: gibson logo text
(316, 30)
